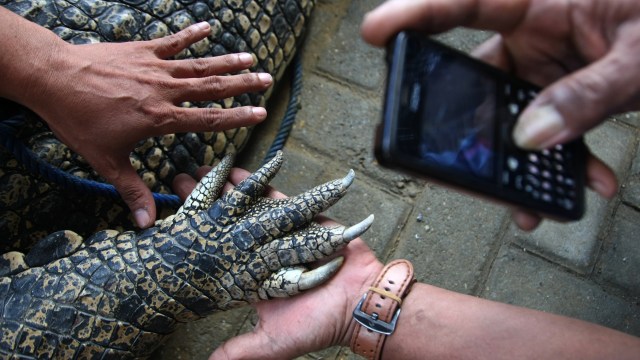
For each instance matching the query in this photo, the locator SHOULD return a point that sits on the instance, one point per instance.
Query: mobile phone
(450, 117)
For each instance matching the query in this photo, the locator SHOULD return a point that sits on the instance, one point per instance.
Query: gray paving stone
(449, 237)
(348, 54)
(620, 260)
(464, 39)
(522, 279)
(631, 188)
(363, 199)
(339, 123)
(632, 118)
(335, 119)
(575, 244)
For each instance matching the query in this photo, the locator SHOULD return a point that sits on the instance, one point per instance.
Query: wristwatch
(377, 313)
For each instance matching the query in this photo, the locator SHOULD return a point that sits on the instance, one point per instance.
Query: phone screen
(449, 117)
(453, 112)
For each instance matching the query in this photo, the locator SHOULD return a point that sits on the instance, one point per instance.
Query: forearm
(436, 323)
(27, 51)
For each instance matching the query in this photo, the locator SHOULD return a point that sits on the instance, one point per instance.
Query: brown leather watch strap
(377, 312)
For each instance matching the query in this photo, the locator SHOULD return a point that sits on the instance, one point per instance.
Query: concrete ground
(587, 269)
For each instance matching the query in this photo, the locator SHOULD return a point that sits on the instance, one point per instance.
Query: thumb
(578, 102)
(135, 194)
(173, 44)
(247, 346)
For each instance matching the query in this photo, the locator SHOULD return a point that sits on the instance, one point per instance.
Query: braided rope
(37, 166)
(290, 115)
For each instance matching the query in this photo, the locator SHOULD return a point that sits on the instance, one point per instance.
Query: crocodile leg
(119, 294)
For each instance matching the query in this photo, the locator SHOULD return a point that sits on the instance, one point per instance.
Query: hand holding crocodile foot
(117, 295)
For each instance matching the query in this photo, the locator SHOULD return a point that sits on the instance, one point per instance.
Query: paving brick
(348, 54)
(522, 279)
(620, 260)
(632, 118)
(464, 39)
(575, 244)
(339, 123)
(631, 188)
(390, 213)
(449, 237)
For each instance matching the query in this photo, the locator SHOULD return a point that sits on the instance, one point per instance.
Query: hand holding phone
(449, 117)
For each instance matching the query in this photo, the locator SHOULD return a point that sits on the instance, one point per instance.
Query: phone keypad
(543, 175)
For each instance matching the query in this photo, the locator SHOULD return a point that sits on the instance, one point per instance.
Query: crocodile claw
(290, 281)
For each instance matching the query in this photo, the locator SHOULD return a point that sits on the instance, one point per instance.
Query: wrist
(377, 312)
(355, 297)
(30, 57)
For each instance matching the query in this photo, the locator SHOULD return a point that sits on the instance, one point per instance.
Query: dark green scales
(87, 292)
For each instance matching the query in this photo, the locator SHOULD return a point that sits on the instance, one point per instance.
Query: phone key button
(558, 156)
(533, 181)
(514, 109)
(546, 197)
(567, 204)
(512, 163)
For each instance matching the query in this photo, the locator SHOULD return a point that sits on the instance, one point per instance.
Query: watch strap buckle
(372, 322)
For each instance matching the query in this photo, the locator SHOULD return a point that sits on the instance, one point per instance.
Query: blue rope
(37, 166)
(290, 115)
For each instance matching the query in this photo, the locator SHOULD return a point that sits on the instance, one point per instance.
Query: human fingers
(131, 188)
(208, 66)
(600, 177)
(220, 87)
(179, 119)
(494, 52)
(578, 102)
(526, 220)
(183, 185)
(434, 16)
(173, 44)
(251, 345)
(237, 175)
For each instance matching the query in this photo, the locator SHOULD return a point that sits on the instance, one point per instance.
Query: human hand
(283, 330)
(583, 52)
(101, 99)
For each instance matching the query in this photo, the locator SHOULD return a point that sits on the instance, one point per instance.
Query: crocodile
(33, 206)
(117, 295)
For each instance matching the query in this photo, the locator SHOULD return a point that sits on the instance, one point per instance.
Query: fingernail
(537, 127)
(265, 78)
(259, 112)
(142, 218)
(598, 187)
(203, 25)
(245, 58)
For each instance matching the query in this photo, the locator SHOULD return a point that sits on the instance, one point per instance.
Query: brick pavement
(588, 269)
